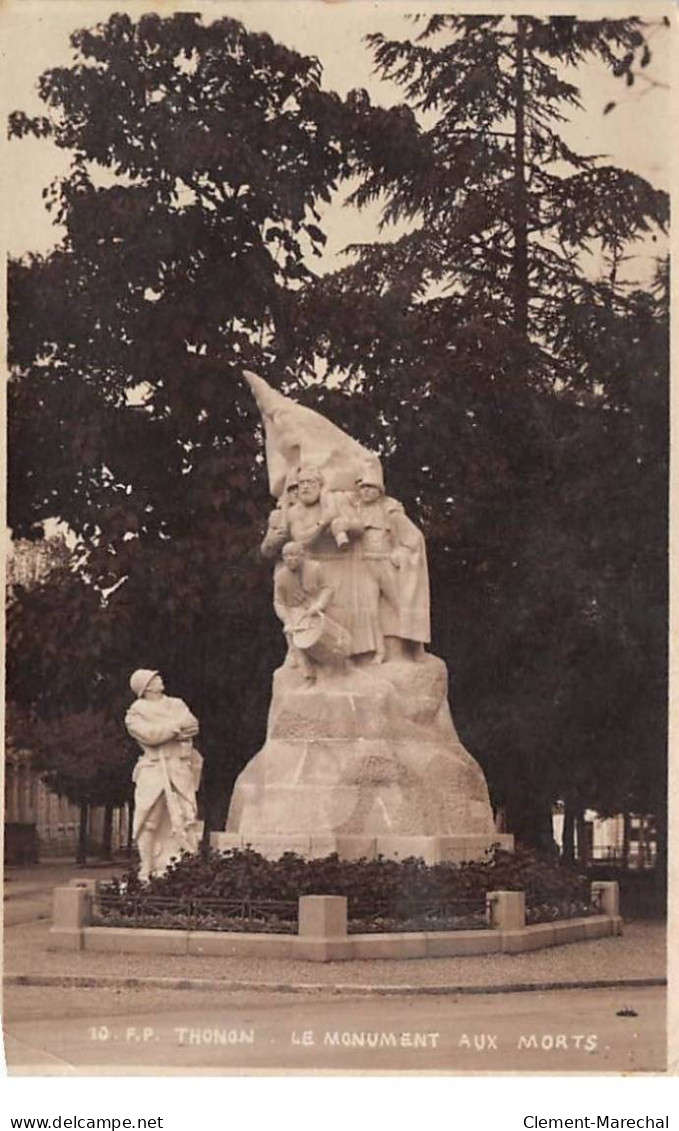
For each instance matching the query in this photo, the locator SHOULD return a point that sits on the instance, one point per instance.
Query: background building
(628, 840)
(38, 823)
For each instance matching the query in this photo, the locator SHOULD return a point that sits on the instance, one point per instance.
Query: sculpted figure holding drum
(300, 595)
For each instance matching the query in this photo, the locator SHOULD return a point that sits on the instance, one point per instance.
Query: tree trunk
(583, 843)
(520, 217)
(81, 857)
(626, 829)
(530, 820)
(568, 840)
(107, 834)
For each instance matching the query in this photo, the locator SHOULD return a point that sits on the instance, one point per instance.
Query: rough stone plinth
(433, 850)
(363, 763)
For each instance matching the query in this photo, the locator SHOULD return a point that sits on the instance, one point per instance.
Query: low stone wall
(322, 931)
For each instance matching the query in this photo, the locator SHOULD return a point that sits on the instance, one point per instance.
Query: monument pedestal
(363, 762)
(431, 849)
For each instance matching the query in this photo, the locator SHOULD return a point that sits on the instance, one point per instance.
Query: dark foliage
(520, 400)
(382, 894)
(198, 156)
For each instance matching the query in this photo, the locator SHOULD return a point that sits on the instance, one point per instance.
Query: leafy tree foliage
(494, 273)
(60, 642)
(199, 155)
(81, 756)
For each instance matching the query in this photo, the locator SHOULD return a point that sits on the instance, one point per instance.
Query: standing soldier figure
(166, 777)
(394, 553)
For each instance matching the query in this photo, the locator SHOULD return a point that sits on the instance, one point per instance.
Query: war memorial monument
(361, 756)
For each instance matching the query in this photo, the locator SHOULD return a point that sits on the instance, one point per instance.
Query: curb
(112, 981)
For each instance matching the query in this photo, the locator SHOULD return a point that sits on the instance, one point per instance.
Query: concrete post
(72, 911)
(322, 928)
(322, 916)
(506, 910)
(608, 895)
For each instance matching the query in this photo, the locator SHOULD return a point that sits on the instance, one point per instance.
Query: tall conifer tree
(495, 336)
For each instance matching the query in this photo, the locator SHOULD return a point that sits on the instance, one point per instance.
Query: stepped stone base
(431, 849)
(363, 762)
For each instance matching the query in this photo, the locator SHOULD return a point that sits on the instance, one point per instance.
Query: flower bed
(241, 891)
(126, 904)
(546, 911)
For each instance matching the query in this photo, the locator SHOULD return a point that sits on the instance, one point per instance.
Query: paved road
(139, 1031)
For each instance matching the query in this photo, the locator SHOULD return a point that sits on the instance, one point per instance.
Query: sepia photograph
(337, 510)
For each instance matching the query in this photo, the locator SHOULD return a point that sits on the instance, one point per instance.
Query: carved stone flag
(296, 435)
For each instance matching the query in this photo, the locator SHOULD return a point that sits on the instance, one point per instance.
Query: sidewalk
(27, 889)
(638, 957)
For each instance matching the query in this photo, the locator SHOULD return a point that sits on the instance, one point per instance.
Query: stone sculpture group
(369, 561)
(361, 756)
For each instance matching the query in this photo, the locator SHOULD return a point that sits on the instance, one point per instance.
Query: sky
(35, 37)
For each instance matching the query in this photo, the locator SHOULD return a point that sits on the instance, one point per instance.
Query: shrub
(381, 894)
